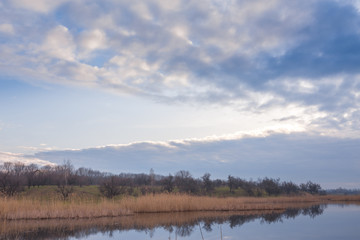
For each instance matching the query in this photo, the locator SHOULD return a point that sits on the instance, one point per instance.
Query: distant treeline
(343, 191)
(16, 177)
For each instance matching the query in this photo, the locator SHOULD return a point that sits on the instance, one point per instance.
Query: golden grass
(11, 209)
(186, 203)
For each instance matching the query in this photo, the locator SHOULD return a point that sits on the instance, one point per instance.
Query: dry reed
(11, 209)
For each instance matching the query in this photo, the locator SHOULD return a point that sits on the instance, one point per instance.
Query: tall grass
(11, 209)
(186, 203)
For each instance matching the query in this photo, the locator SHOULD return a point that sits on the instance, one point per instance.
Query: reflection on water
(176, 224)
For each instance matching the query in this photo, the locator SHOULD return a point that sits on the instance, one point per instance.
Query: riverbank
(179, 223)
(26, 209)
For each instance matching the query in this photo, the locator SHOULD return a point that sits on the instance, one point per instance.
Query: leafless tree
(207, 183)
(65, 178)
(185, 182)
(31, 173)
(11, 178)
(231, 183)
(111, 187)
(168, 183)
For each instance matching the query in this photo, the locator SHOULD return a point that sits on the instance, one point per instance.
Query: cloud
(251, 55)
(14, 157)
(7, 28)
(41, 6)
(59, 44)
(298, 157)
(89, 41)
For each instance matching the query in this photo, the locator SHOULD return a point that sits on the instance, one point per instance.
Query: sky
(250, 88)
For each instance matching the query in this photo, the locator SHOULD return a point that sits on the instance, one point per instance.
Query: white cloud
(84, 73)
(42, 6)
(7, 28)
(284, 128)
(300, 86)
(132, 70)
(182, 32)
(59, 44)
(89, 41)
(169, 6)
(14, 157)
(141, 8)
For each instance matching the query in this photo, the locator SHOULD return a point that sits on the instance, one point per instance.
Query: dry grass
(186, 203)
(11, 209)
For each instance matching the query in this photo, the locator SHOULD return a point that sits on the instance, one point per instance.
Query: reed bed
(187, 203)
(16, 209)
(63, 228)
(136, 221)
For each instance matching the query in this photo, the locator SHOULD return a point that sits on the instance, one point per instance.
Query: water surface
(320, 222)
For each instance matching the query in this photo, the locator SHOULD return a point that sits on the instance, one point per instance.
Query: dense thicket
(15, 177)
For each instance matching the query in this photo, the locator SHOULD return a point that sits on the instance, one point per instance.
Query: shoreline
(30, 209)
(145, 222)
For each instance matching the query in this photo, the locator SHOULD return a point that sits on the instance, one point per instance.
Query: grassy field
(86, 202)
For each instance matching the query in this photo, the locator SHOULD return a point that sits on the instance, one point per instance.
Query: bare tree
(208, 184)
(11, 178)
(82, 176)
(168, 183)
(64, 177)
(152, 177)
(31, 172)
(111, 187)
(231, 183)
(185, 182)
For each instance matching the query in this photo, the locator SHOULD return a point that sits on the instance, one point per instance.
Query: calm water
(316, 222)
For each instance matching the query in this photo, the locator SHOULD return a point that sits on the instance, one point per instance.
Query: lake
(311, 222)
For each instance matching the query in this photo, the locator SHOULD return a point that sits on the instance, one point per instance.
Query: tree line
(16, 177)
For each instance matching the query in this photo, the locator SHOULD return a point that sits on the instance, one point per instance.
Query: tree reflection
(184, 230)
(313, 211)
(207, 225)
(180, 224)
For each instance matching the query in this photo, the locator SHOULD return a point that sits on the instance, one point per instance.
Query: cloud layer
(13, 157)
(332, 162)
(251, 54)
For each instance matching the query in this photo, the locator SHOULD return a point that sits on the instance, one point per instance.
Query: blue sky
(248, 88)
